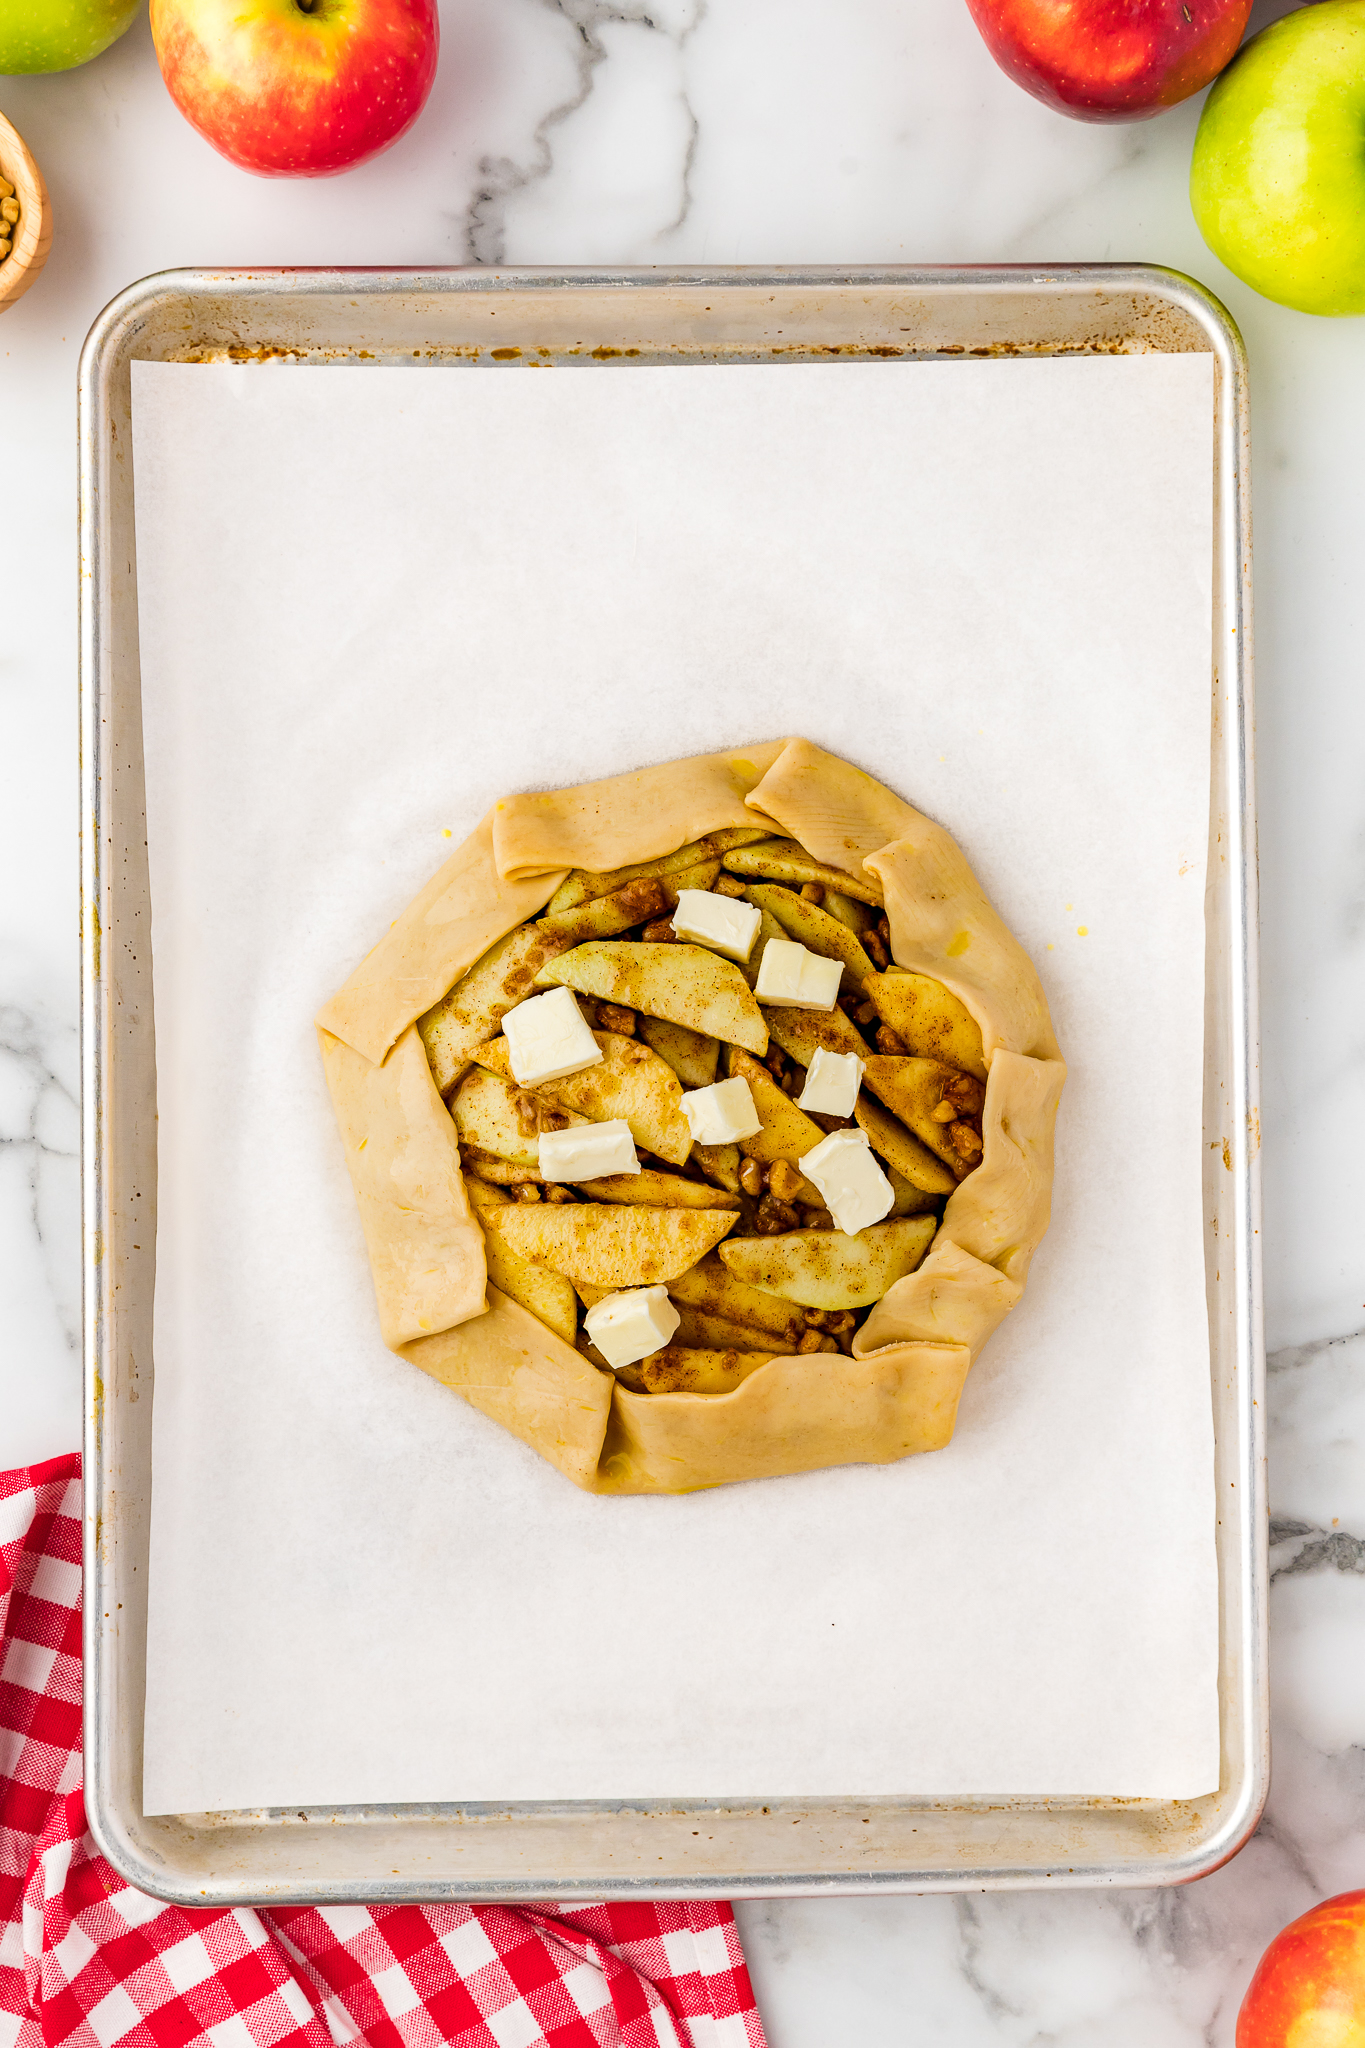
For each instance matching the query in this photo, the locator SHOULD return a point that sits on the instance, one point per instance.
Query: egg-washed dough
(899, 1392)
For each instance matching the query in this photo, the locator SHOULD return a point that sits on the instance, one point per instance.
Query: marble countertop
(744, 131)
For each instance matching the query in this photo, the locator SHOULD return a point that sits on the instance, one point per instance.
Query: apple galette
(700, 1121)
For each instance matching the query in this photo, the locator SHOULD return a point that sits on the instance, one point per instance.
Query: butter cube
(855, 1189)
(588, 1151)
(726, 924)
(547, 1037)
(722, 1113)
(628, 1326)
(791, 977)
(832, 1083)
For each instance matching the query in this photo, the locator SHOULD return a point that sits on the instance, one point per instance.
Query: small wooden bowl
(34, 238)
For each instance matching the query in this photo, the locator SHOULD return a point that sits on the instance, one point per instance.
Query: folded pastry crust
(899, 1392)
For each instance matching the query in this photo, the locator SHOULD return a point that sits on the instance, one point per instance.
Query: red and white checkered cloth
(87, 1961)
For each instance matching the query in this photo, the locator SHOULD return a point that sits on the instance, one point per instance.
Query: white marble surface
(748, 131)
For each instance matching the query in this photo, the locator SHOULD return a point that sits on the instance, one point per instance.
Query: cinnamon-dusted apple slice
(684, 984)
(691, 1054)
(933, 1100)
(787, 1131)
(547, 1295)
(901, 1149)
(606, 1245)
(928, 1018)
(582, 887)
(782, 860)
(682, 1370)
(711, 1289)
(824, 1269)
(650, 1189)
(699, 1331)
(495, 1116)
(799, 1032)
(631, 1083)
(860, 918)
(813, 928)
(909, 1200)
(720, 1164)
(481, 998)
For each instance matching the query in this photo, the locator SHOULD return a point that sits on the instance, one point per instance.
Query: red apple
(1309, 1987)
(297, 88)
(1111, 60)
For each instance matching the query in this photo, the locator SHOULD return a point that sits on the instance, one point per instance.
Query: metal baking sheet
(592, 1849)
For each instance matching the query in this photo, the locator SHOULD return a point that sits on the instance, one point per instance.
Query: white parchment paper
(371, 602)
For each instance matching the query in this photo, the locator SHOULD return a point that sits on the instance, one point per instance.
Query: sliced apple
(813, 928)
(909, 1200)
(609, 1245)
(682, 1370)
(582, 886)
(799, 1032)
(720, 1163)
(913, 1089)
(702, 1332)
(481, 998)
(497, 1117)
(787, 1132)
(928, 1018)
(631, 1083)
(826, 1270)
(691, 1054)
(783, 860)
(684, 984)
(652, 1190)
(901, 1149)
(547, 1295)
(498, 1173)
(711, 1289)
(859, 917)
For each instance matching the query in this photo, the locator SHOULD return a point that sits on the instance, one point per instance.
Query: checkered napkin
(86, 1960)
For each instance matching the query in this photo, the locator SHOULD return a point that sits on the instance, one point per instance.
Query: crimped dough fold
(426, 1250)
(899, 1392)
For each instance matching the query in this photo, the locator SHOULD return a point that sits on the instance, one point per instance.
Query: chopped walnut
(816, 1219)
(784, 1181)
(889, 1041)
(527, 1113)
(775, 1060)
(946, 1112)
(865, 1013)
(772, 1217)
(875, 948)
(526, 1191)
(751, 1177)
(555, 1191)
(813, 892)
(662, 933)
(616, 1017)
(812, 1342)
(966, 1092)
(646, 897)
(727, 885)
(966, 1142)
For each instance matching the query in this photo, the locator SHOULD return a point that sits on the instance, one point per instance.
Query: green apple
(54, 35)
(1278, 178)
